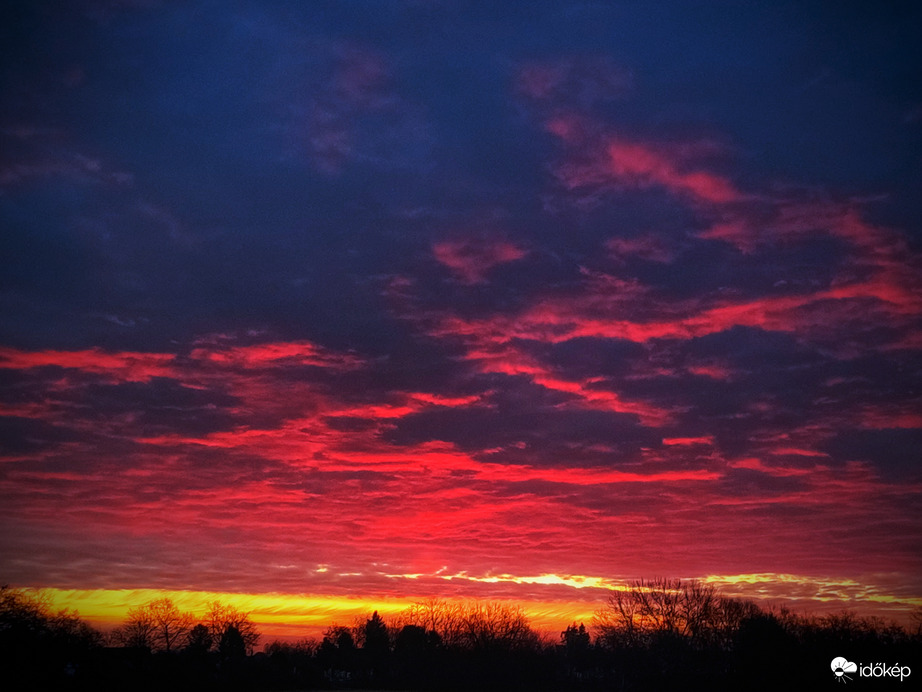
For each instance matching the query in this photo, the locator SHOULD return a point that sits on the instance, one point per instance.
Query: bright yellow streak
(821, 589)
(108, 607)
(574, 581)
(287, 616)
(773, 578)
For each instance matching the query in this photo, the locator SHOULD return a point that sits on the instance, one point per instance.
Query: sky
(391, 300)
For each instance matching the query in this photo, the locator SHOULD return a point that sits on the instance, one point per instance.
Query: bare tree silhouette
(158, 625)
(648, 608)
(444, 618)
(219, 618)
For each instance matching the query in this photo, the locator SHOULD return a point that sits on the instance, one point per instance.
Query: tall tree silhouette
(377, 646)
(337, 654)
(232, 646)
(220, 617)
(199, 640)
(376, 637)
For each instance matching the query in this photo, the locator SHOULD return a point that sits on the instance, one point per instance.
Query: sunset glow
(294, 616)
(318, 311)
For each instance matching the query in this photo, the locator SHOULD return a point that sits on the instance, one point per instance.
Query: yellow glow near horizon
(575, 581)
(110, 605)
(286, 615)
(820, 589)
(282, 615)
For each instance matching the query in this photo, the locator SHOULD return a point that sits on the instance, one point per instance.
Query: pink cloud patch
(647, 247)
(122, 366)
(688, 441)
(278, 353)
(642, 165)
(472, 259)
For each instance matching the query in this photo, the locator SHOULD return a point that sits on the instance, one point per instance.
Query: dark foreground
(657, 635)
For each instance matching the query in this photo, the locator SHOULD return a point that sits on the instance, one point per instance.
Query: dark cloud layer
(296, 297)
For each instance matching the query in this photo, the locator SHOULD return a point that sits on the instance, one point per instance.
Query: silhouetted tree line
(656, 634)
(158, 647)
(42, 649)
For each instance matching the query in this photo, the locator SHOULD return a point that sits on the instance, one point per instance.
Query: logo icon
(841, 666)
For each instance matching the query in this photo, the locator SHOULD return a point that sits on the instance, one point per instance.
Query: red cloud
(471, 259)
(879, 281)
(448, 401)
(592, 477)
(370, 509)
(607, 313)
(569, 128)
(684, 441)
(648, 247)
(784, 220)
(754, 464)
(712, 370)
(128, 366)
(735, 231)
(123, 366)
(499, 356)
(642, 165)
(797, 451)
(887, 417)
(278, 353)
(308, 436)
(596, 160)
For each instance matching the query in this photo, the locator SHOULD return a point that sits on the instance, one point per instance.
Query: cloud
(471, 259)
(359, 84)
(277, 353)
(596, 161)
(576, 82)
(606, 310)
(649, 247)
(354, 115)
(705, 440)
(377, 311)
(641, 165)
(124, 366)
(36, 155)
